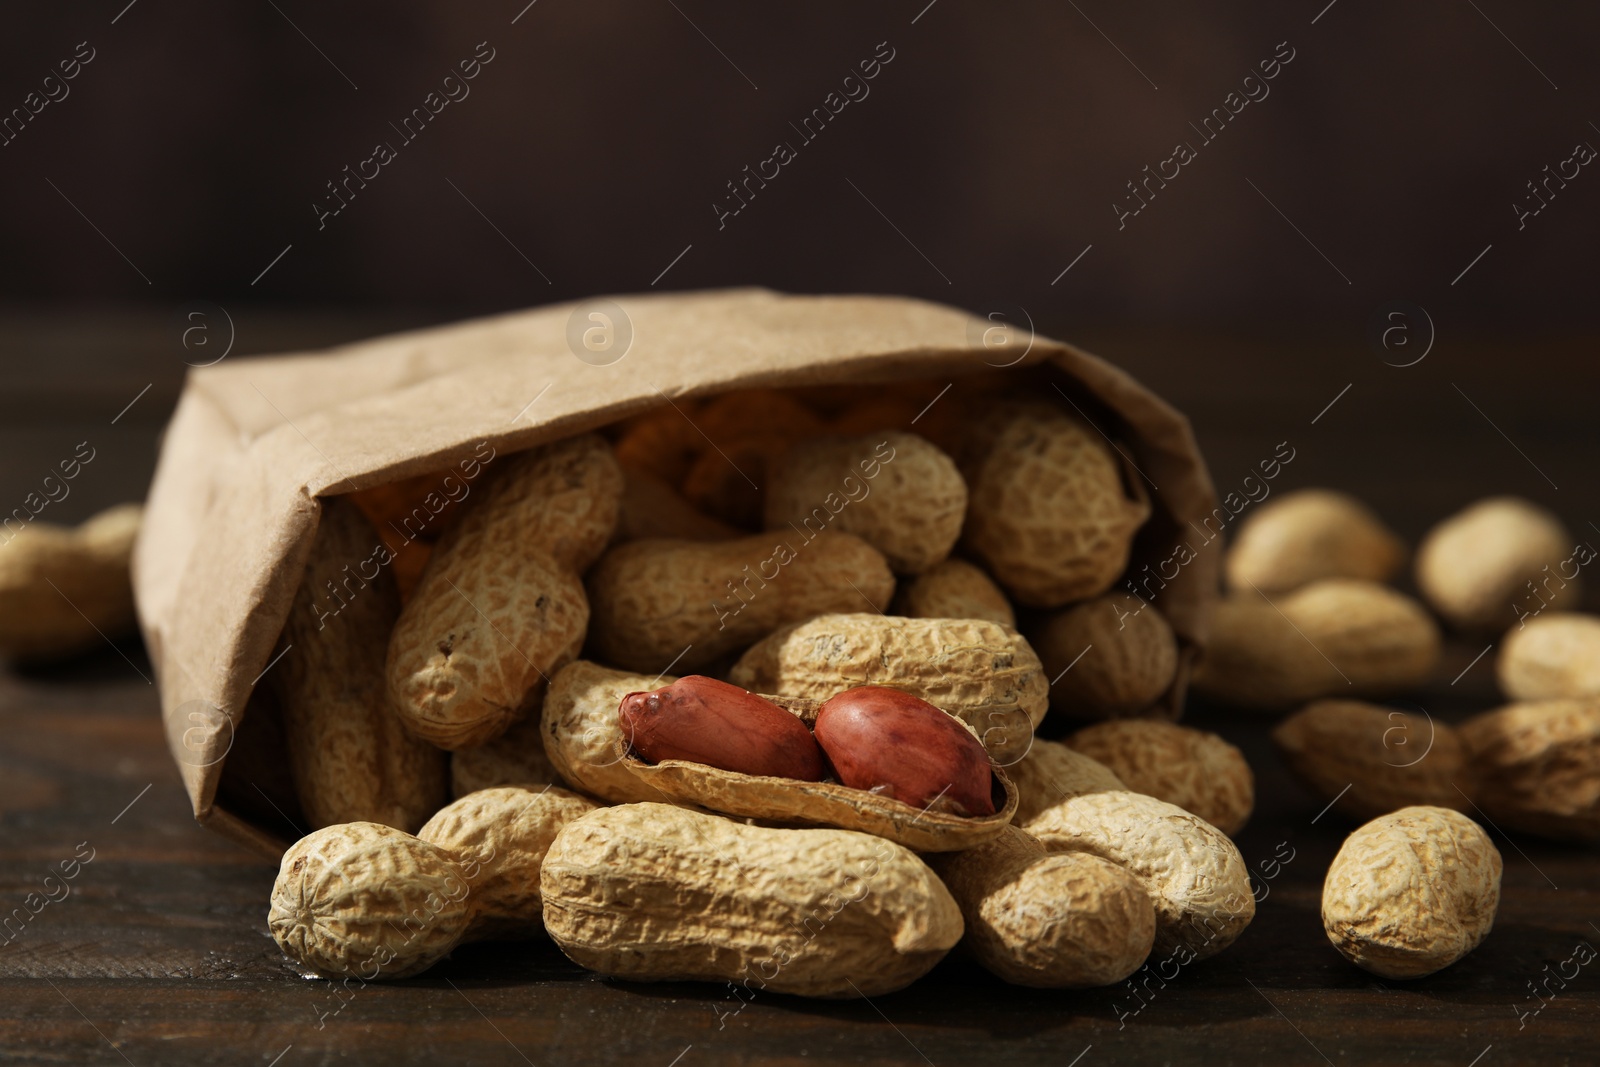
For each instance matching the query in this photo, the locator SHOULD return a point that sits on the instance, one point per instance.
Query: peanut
(656, 600)
(61, 588)
(1051, 772)
(981, 672)
(894, 490)
(1476, 567)
(1198, 771)
(703, 720)
(516, 757)
(1551, 657)
(1051, 512)
(889, 742)
(1338, 635)
(1368, 761)
(502, 835)
(1309, 535)
(1538, 766)
(660, 893)
(1412, 892)
(362, 900)
(954, 589)
(351, 758)
(1192, 872)
(1111, 656)
(1067, 920)
(581, 729)
(500, 606)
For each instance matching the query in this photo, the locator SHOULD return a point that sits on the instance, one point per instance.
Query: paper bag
(254, 444)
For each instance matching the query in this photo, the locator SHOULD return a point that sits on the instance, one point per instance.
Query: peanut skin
(889, 742)
(706, 721)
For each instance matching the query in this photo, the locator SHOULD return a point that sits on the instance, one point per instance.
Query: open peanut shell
(791, 802)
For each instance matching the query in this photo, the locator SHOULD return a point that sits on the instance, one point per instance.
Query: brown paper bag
(255, 442)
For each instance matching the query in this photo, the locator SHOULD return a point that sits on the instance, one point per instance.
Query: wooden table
(160, 953)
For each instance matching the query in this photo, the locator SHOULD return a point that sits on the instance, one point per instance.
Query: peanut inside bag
(441, 522)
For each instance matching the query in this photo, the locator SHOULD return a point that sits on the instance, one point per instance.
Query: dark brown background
(995, 141)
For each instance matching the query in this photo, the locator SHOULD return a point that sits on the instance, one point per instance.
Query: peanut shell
(1198, 771)
(894, 490)
(500, 607)
(65, 589)
(351, 758)
(1475, 568)
(498, 838)
(954, 589)
(362, 900)
(656, 601)
(981, 672)
(1538, 766)
(1554, 656)
(1051, 512)
(1375, 760)
(1308, 535)
(581, 731)
(1109, 657)
(1412, 892)
(1195, 876)
(1067, 920)
(516, 757)
(792, 802)
(1051, 772)
(659, 893)
(1336, 636)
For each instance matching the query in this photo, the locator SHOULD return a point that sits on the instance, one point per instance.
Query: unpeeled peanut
(1412, 892)
(894, 490)
(1553, 656)
(705, 721)
(1195, 876)
(1050, 511)
(63, 588)
(1308, 535)
(1478, 567)
(1538, 766)
(1367, 760)
(659, 893)
(1108, 657)
(351, 758)
(1066, 920)
(890, 742)
(655, 601)
(1051, 772)
(981, 672)
(954, 589)
(1196, 770)
(362, 900)
(1336, 636)
(501, 607)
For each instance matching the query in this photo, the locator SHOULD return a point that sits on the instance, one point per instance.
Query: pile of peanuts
(870, 607)
(842, 780)
(1312, 620)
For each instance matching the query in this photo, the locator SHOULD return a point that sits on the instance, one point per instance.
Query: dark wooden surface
(160, 953)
